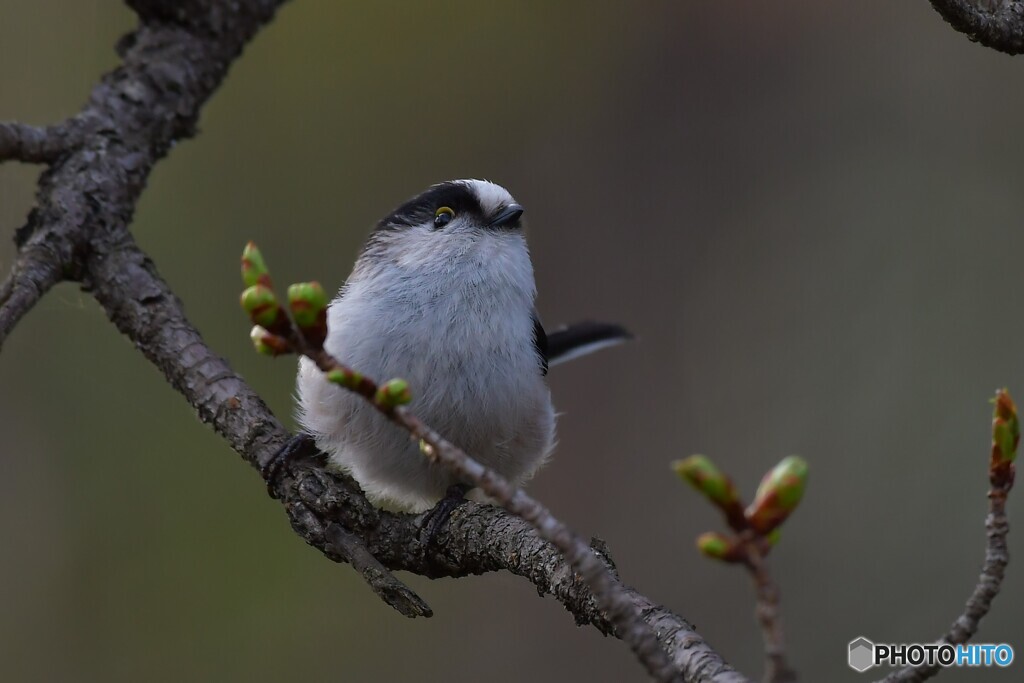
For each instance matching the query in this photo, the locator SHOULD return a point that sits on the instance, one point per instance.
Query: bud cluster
(780, 492)
(302, 328)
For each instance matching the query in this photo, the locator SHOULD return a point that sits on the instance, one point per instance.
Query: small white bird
(442, 295)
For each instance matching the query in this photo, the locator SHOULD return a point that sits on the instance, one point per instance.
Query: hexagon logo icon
(862, 654)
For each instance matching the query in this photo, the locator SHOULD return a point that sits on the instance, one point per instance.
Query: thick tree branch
(998, 24)
(478, 539)
(106, 152)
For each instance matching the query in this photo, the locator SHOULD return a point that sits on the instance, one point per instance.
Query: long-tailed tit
(442, 295)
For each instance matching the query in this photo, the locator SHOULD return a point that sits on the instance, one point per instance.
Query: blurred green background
(810, 213)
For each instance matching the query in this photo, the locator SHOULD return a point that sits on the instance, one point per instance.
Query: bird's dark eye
(443, 216)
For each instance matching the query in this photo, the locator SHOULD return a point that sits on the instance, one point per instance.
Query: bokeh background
(810, 214)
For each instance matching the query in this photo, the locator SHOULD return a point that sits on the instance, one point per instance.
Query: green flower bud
(308, 303)
(261, 305)
(718, 547)
(778, 495)
(254, 270)
(268, 344)
(1005, 428)
(394, 392)
(1005, 439)
(345, 377)
(701, 473)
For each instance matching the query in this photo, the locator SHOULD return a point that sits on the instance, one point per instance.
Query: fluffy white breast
(452, 314)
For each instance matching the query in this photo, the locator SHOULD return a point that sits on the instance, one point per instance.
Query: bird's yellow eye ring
(443, 216)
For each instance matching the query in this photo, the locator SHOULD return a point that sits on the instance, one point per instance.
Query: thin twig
(767, 610)
(342, 545)
(997, 556)
(351, 549)
(33, 274)
(35, 145)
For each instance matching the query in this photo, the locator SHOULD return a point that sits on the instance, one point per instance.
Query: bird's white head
(441, 226)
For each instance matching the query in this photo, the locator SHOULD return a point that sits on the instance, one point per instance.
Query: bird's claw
(436, 517)
(300, 445)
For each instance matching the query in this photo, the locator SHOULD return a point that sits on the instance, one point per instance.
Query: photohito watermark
(864, 654)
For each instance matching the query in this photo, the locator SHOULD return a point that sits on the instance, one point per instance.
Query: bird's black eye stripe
(455, 195)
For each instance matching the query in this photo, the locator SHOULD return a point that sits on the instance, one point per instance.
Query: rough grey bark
(998, 24)
(99, 163)
(171, 65)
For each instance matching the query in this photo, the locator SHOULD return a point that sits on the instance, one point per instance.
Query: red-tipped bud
(701, 473)
(308, 304)
(1005, 439)
(267, 343)
(719, 547)
(307, 301)
(1005, 428)
(393, 393)
(254, 270)
(346, 377)
(261, 304)
(778, 495)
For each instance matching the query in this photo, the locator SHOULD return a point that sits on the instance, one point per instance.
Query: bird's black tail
(582, 338)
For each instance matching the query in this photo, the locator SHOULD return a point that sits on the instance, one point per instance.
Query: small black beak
(507, 217)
